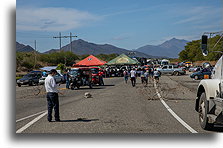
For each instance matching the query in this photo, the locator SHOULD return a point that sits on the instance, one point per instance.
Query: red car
(97, 76)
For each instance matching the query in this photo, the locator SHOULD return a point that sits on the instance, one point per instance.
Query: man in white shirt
(156, 75)
(52, 96)
(133, 77)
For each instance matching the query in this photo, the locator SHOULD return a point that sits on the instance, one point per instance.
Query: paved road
(114, 108)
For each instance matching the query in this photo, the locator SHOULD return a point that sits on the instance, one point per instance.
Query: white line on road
(172, 112)
(30, 116)
(31, 123)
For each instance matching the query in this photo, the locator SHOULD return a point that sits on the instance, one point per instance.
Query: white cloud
(197, 14)
(52, 19)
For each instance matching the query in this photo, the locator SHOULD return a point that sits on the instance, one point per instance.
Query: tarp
(90, 61)
(48, 68)
(122, 60)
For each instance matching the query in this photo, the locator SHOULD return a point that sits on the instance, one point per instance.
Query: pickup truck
(172, 69)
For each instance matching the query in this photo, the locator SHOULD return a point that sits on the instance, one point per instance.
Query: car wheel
(19, 85)
(30, 83)
(203, 110)
(196, 77)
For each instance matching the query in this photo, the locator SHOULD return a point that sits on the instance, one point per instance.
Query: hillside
(81, 47)
(23, 48)
(170, 48)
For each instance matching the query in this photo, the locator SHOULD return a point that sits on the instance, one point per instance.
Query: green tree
(193, 51)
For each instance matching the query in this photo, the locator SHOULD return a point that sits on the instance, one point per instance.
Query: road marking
(31, 123)
(29, 116)
(172, 112)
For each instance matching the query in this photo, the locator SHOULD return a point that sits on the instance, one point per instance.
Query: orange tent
(90, 61)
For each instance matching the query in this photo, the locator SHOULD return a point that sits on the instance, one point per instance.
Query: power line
(60, 37)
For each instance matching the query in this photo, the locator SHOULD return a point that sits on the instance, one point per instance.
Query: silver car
(59, 78)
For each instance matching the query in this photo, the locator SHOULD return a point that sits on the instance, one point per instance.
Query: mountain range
(23, 48)
(170, 48)
(81, 47)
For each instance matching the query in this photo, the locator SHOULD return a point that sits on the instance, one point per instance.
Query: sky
(127, 24)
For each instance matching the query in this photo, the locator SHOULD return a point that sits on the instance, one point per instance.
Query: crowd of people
(144, 74)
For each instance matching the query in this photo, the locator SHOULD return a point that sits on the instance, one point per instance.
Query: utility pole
(60, 37)
(71, 40)
(35, 52)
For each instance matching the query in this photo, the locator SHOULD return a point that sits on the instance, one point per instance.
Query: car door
(170, 69)
(206, 74)
(57, 78)
(164, 70)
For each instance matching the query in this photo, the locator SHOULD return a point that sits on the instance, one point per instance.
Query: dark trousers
(133, 80)
(53, 103)
(67, 84)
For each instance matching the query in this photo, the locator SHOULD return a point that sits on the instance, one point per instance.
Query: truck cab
(209, 99)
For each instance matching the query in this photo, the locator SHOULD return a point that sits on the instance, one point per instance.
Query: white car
(58, 77)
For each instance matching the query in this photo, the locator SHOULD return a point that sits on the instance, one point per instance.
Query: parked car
(203, 74)
(80, 77)
(29, 79)
(172, 69)
(195, 69)
(59, 78)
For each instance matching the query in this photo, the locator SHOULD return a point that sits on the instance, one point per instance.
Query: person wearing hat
(52, 96)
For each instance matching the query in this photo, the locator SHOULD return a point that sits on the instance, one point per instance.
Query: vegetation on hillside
(26, 61)
(192, 51)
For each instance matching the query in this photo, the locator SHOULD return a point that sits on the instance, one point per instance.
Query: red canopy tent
(90, 61)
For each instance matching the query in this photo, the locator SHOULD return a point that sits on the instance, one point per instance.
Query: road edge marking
(29, 116)
(31, 123)
(172, 112)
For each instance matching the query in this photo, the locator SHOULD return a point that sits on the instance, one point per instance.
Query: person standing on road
(67, 78)
(146, 75)
(126, 76)
(156, 75)
(52, 96)
(151, 70)
(142, 76)
(133, 77)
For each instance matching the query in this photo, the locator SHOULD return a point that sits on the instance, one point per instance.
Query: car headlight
(18, 81)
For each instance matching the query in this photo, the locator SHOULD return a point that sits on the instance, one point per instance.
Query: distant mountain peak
(169, 48)
(23, 48)
(82, 47)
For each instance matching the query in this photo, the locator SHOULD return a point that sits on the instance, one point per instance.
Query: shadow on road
(84, 88)
(108, 85)
(80, 120)
(217, 128)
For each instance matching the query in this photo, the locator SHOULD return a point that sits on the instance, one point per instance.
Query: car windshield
(94, 70)
(74, 72)
(28, 75)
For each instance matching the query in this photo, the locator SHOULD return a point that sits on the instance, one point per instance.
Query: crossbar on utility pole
(70, 36)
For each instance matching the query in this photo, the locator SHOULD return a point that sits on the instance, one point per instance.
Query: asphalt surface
(114, 108)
